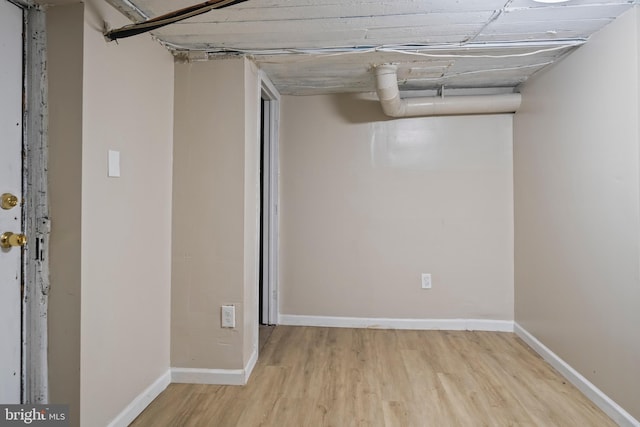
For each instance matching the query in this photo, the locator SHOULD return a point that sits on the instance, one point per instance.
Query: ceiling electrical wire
(412, 48)
(460, 55)
(299, 55)
(486, 70)
(168, 18)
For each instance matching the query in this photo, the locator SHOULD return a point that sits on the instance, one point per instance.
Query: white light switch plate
(426, 281)
(228, 316)
(114, 164)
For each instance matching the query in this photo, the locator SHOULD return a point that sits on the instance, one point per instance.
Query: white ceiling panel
(239, 41)
(345, 11)
(562, 13)
(261, 29)
(322, 46)
(556, 29)
(269, 37)
(297, 9)
(516, 4)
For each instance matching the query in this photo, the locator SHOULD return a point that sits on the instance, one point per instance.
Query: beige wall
(126, 222)
(110, 237)
(214, 213)
(368, 204)
(577, 216)
(64, 65)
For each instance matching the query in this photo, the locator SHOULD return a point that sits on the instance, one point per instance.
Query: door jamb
(270, 266)
(35, 263)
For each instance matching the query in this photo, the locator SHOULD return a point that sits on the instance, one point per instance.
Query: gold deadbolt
(10, 239)
(9, 201)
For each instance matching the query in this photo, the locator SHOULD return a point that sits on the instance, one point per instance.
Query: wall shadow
(359, 108)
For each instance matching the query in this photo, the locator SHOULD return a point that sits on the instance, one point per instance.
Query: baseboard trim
(601, 400)
(215, 376)
(248, 369)
(143, 400)
(208, 376)
(384, 323)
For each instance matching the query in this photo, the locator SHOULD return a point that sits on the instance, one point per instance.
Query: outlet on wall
(426, 281)
(228, 316)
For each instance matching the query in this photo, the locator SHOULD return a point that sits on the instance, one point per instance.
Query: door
(11, 195)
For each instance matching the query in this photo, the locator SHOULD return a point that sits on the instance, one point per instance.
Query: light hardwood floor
(363, 377)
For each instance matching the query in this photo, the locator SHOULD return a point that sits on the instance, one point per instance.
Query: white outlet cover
(426, 281)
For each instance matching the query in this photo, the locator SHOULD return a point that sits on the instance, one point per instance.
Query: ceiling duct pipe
(394, 106)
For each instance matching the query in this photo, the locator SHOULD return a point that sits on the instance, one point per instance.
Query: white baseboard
(208, 376)
(215, 376)
(601, 400)
(143, 400)
(381, 323)
(248, 369)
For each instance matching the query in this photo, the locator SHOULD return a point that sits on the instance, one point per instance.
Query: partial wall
(252, 208)
(369, 204)
(64, 67)
(111, 237)
(215, 213)
(126, 221)
(577, 214)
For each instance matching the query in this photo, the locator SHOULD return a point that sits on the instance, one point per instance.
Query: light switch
(114, 164)
(228, 316)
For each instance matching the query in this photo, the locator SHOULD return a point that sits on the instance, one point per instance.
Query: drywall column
(64, 66)
(252, 138)
(215, 214)
(577, 213)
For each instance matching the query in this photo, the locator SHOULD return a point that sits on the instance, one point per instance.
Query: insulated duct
(394, 106)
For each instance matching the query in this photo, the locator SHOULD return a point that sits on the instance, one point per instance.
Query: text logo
(34, 415)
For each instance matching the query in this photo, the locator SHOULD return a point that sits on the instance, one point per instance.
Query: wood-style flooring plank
(364, 377)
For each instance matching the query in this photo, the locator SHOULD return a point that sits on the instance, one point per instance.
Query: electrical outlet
(228, 316)
(426, 281)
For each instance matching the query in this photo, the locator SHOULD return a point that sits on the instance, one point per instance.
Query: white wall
(577, 215)
(368, 204)
(111, 291)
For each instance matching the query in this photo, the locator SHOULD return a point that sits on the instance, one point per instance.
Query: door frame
(270, 225)
(35, 213)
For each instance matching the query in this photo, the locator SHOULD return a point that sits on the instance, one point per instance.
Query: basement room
(320, 213)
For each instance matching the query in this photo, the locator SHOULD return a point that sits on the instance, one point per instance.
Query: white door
(10, 184)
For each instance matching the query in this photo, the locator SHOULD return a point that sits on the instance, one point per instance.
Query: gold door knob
(10, 239)
(8, 201)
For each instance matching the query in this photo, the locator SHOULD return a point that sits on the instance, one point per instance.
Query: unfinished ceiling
(323, 46)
